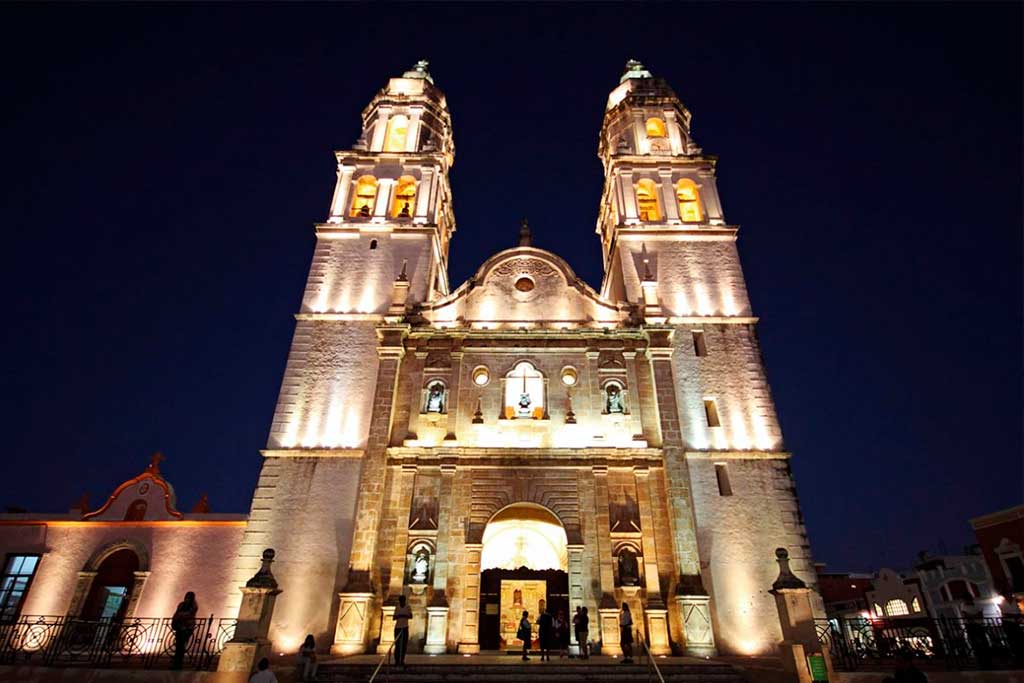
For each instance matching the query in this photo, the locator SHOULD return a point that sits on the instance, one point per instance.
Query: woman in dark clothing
(546, 629)
(525, 634)
(183, 623)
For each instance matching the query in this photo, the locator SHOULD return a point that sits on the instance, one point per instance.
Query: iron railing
(111, 642)
(943, 642)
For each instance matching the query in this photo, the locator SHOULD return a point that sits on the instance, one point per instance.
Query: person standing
(403, 613)
(562, 633)
(626, 634)
(183, 623)
(545, 631)
(583, 634)
(525, 633)
(307, 659)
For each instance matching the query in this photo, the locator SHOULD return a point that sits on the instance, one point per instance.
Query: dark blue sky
(164, 164)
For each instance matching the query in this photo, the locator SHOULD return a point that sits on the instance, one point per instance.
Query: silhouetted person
(975, 626)
(307, 659)
(402, 616)
(183, 623)
(263, 673)
(581, 622)
(525, 633)
(626, 634)
(545, 631)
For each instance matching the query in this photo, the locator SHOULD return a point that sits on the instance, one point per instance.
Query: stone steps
(532, 672)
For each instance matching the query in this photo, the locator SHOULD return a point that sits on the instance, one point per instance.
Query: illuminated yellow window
(394, 137)
(655, 128)
(366, 193)
(896, 608)
(647, 200)
(405, 198)
(689, 201)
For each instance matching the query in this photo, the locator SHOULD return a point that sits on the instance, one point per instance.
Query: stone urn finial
(264, 578)
(786, 577)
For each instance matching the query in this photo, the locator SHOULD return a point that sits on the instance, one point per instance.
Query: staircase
(566, 671)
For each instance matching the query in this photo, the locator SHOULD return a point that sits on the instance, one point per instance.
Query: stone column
(655, 612)
(437, 610)
(250, 642)
(575, 590)
(690, 599)
(340, 203)
(82, 587)
(796, 615)
(470, 641)
(354, 612)
(423, 195)
(138, 583)
(629, 197)
(711, 205)
(668, 193)
(382, 202)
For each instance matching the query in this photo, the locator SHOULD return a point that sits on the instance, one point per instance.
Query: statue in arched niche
(614, 402)
(629, 570)
(435, 398)
(421, 566)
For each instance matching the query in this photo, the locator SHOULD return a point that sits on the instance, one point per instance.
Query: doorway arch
(111, 589)
(523, 567)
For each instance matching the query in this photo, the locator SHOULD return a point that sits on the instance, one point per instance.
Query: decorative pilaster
(604, 539)
(470, 641)
(355, 600)
(251, 642)
(82, 587)
(655, 612)
(138, 583)
(575, 589)
(690, 599)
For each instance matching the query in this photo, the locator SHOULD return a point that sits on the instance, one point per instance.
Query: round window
(570, 376)
(524, 284)
(481, 376)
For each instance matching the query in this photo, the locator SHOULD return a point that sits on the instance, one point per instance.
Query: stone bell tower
(383, 248)
(669, 253)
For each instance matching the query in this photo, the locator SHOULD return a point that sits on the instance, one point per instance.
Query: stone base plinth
(610, 643)
(657, 630)
(353, 622)
(695, 611)
(437, 631)
(387, 629)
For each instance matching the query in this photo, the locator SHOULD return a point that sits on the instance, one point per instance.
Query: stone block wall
(304, 508)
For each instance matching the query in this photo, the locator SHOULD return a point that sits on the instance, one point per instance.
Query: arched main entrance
(523, 567)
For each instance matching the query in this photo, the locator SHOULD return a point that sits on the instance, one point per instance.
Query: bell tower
(660, 213)
(392, 197)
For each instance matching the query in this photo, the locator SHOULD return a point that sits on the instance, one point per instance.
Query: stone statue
(435, 399)
(629, 574)
(524, 404)
(614, 403)
(420, 567)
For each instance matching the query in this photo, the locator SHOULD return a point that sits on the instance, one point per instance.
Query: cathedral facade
(524, 441)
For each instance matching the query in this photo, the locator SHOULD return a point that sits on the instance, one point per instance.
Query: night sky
(164, 164)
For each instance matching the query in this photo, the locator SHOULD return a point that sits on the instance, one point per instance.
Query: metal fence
(864, 643)
(136, 642)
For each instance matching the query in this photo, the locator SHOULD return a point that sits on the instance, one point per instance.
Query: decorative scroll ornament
(525, 266)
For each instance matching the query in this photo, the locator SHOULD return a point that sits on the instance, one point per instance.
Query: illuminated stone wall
(303, 508)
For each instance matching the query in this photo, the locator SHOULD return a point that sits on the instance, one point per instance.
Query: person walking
(583, 634)
(263, 673)
(626, 634)
(307, 659)
(183, 623)
(545, 631)
(562, 634)
(403, 613)
(525, 634)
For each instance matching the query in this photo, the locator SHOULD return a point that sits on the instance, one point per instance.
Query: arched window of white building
(525, 392)
(647, 203)
(364, 197)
